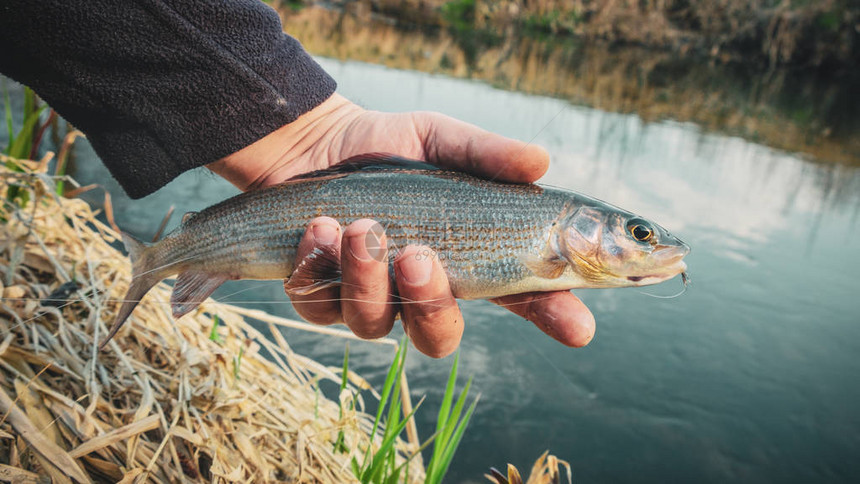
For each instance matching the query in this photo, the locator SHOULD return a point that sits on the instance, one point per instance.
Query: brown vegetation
(775, 32)
(779, 107)
(207, 398)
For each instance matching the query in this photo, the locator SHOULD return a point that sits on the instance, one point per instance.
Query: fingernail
(358, 247)
(325, 234)
(415, 269)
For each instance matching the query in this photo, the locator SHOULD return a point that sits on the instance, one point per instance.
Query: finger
(559, 314)
(323, 306)
(368, 306)
(456, 144)
(431, 317)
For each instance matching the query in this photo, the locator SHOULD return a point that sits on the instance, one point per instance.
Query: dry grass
(163, 402)
(819, 34)
(546, 470)
(653, 85)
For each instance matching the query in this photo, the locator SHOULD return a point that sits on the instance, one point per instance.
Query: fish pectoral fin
(192, 288)
(547, 268)
(318, 270)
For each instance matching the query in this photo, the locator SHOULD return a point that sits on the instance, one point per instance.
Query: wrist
(289, 150)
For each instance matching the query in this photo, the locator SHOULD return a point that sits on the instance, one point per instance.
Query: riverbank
(809, 35)
(809, 112)
(210, 397)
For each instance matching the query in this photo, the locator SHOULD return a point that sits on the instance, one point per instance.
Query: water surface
(750, 376)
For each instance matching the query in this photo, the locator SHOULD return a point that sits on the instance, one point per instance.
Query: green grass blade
(448, 456)
(454, 416)
(237, 363)
(391, 396)
(385, 458)
(449, 393)
(213, 333)
(393, 478)
(29, 101)
(393, 370)
(340, 443)
(405, 464)
(356, 468)
(345, 375)
(381, 467)
(393, 373)
(394, 406)
(10, 130)
(24, 140)
(376, 466)
(20, 148)
(442, 418)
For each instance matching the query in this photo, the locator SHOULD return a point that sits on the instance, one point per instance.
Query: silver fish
(493, 239)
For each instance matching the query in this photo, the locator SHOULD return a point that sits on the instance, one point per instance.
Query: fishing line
(135, 276)
(224, 298)
(533, 138)
(219, 301)
(545, 357)
(37, 316)
(684, 278)
(401, 301)
(270, 301)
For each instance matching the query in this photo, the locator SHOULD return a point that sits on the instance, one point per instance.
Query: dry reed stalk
(546, 470)
(163, 402)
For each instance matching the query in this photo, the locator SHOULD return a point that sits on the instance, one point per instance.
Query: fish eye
(640, 231)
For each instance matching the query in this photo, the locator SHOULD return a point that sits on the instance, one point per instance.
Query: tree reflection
(788, 110)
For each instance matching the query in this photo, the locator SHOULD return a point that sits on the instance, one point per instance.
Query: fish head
(609, 247)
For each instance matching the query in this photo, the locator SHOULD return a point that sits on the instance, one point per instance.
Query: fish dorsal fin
(318, 270)
(188, 215)
(192, 288)
(366, 163)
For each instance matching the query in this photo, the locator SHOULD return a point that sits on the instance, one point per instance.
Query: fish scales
(476, 229)
(492, 239)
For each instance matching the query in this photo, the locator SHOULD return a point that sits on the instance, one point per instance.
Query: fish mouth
(678, 267)
(669, 254)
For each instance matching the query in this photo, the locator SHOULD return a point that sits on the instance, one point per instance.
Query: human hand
(338, 129)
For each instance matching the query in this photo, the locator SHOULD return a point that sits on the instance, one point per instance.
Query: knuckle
(368, 321)
(367, 289)
(436, 333)
(433, 312)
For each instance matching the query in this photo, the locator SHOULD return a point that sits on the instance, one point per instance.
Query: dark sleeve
(161, 86)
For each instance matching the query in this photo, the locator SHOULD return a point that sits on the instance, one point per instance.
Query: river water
(750, 376)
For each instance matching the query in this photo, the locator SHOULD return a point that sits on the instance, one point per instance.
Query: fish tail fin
(144, 276)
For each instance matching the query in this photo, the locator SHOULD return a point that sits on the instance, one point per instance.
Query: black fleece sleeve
(161, 86)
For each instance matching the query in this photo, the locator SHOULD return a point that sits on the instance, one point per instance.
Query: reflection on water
(784, 109)
(749, 376)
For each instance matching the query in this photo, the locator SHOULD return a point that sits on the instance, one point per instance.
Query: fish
(492, 238)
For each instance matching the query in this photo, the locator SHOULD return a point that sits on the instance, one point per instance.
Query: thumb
(458, 145)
